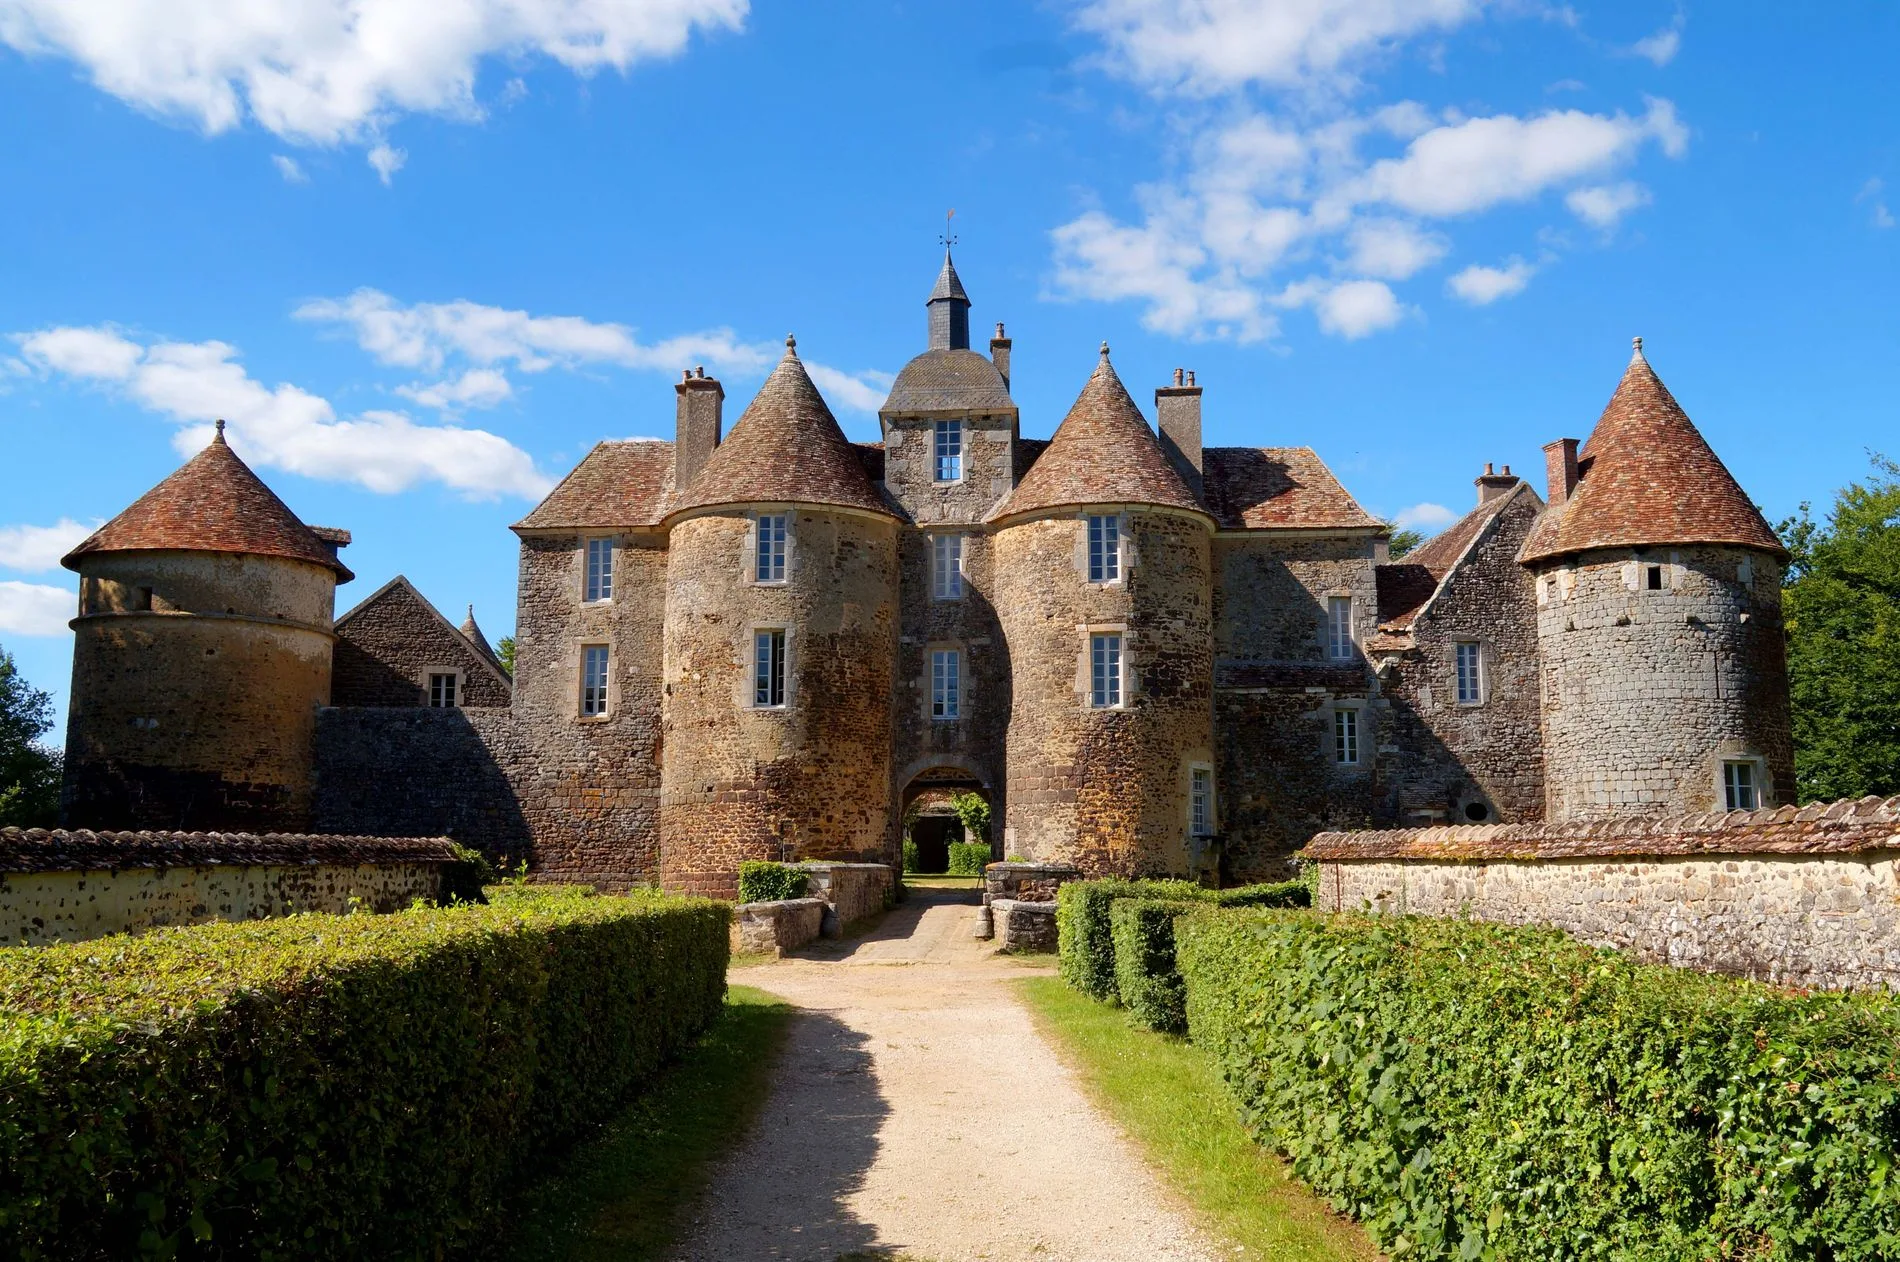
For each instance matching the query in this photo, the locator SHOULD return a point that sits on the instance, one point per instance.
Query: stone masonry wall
(386, 651)
(1645, 692)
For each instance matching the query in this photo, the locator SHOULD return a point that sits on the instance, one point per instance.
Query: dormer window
(1105, 548)
(947, 451)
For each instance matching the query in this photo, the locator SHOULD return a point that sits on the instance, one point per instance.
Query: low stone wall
(68, 886)
(1807, 897)
(1022, 926)
(1027, 882)
(851, 891)
(777, 927)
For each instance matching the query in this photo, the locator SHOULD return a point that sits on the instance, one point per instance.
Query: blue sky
(423, 253)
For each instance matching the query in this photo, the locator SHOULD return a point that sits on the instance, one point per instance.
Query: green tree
(29, 770)
(506, 652)
(1841, 600)
(974, 810)
(1403, 541)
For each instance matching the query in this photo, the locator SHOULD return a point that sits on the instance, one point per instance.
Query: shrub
(761, 882)
(910, 855)
(968, 858)
(464, 877)
(1145, 975)
(329, 1086)
(1086, 944)
(1479, 1091)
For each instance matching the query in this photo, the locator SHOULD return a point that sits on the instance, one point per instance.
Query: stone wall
(388, 646)
(851, 892)
(69, 886)
(1807, 897)
(1024, 928)
(776, 928)
(1027, 882)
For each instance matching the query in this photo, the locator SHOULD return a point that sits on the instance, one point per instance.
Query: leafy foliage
(505, 650)
(464, 877)
(968, 858)
(910, 855)
(973, 811)
(1145, 974)
(329, 1086)
(1842, 606)
(762, 882)
(1086, 943)
(1478, 1091)
(1402, 542)
(29, 771)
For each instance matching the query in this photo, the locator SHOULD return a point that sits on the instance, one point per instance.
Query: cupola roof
(949, 381)
(1102, 453)
(785, 449)
(1647, 478)
(213, 503)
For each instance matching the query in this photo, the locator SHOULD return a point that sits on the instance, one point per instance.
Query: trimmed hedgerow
(1086, 943)
(762, 882)
(1479, 1091)
(329, 1086)
(1145, 975)
(464, 876)
(968, 858)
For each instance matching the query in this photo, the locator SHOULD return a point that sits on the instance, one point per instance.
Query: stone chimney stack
(1491, 485)
(999, 353)
(1560, 470)
(701, 399)
(1178, 409)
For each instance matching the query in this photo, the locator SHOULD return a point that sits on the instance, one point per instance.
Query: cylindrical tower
(1664, 682)
(1103, 587)
(200, 656)
(781, 650)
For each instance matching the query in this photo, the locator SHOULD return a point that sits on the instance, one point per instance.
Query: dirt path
(917, 1111)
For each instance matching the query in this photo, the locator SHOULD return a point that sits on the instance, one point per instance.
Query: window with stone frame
(1201, 801)
(1346, 737)
(1105, 547)
(600, 571)
(1341, 644)
(946, 464)
(1741, 787)
(946, 567)
(443, 691)
(768, 668)
(594, 678)
(946, 684)
(770, 543)
(1105, 670)
(1468, 666)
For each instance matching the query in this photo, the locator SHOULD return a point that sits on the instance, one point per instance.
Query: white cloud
(1662, 47)
(1883, 218)
(386, 160)
(1392, 249)
(1480, 286)
(34, 549)
(476, 388)
(1351, 309)
(860, 392)
(284, 427)
(36, 608)
(1879, 215)
(1602, 205)
(1160, 264)
(1426, 517)
(289, 168)
(337, 71)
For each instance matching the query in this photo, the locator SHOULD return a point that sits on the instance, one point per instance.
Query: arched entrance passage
(929, 817)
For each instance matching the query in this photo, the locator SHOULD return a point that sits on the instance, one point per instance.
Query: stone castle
(1150, 655)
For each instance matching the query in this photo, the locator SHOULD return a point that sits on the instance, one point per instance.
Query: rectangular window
(946, 567)
(1655, 578)
(1339, 640)
(1105, 549)
(946, 684)
(948, 451)
(593, 680)
(1105, 671)
(768, 669)
(1739, 787)
(442, 692)
(600, 569)
(1346, 737)
(1470, 673)
(1201, 801)
(771, 548)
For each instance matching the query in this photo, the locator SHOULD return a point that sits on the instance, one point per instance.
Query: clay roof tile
(616, 486)
(1287, 487)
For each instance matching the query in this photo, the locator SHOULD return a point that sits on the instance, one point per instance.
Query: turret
(1664, 683)
(949, 309)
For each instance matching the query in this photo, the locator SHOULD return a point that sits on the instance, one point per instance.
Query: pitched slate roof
(949, 381)
(1265, 487)
(949, 284)
(1647, 478)
(786, 449)
(1102, 453)
(213, 503)
(617, 485)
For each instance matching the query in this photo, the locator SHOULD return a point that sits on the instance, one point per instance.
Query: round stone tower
(1664, 681)
(1104, 589)
(781, 649)
(200, 656)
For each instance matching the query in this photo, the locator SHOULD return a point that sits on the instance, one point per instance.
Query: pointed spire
(949, 308)
(473, 634)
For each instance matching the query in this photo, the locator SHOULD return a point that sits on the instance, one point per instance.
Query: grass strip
(1168, 1097)
(623, 1194)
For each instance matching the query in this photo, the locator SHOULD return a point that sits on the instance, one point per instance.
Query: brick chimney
(1560, 470)
(999, 353)
(1491, 485)
(700, 401)
(1178, 409)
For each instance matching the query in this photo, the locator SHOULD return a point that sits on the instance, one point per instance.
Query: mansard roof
(214, 503)
(786, 449)
(1102, 453)
(949, 381)
(1260, 488)
(621, 485)
(1648, 478)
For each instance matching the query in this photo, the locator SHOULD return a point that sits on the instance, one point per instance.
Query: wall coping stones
(1032, 869)
(83, 850)
(1846, 827)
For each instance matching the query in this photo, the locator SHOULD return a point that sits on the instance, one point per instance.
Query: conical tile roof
(473, 634)
(1648, 478)
(949, 284)
(1102, 453)
(786, 449)
(213, 503)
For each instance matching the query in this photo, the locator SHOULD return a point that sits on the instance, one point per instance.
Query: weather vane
(948, 239)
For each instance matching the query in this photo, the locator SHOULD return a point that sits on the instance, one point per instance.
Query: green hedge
(1146, 978)
(968, 858)
(1478, 1091)
(761, 882)
(329, 1086)
(1086, 943)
